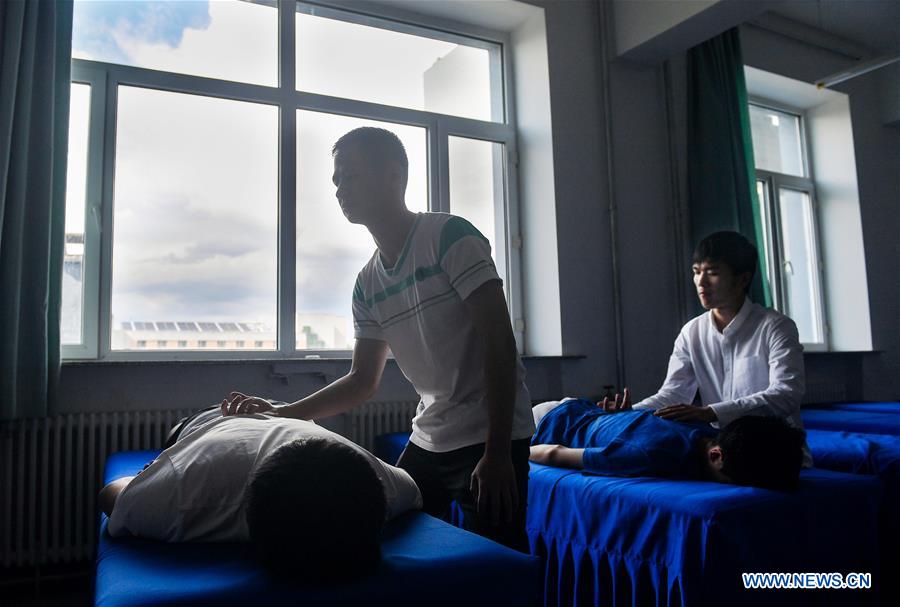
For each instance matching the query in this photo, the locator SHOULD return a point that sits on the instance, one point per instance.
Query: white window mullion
(111, 99)
(287, 186)
(514, 245)
(90, 266)
(441, 162)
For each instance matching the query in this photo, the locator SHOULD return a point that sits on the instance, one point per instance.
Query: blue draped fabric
(878, 455)
(851, 421)
(424, 562)
(882, 407)
(642, 541)
(388, 447)
(35, 58)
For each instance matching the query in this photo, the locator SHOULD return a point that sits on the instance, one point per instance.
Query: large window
(201, 218)
(787, 199)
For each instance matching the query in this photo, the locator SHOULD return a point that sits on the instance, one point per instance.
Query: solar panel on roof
(165, 326)
(187, 326)
(126, 326)
(245, 326)
(144, 326)
(208, 326)
(228, 326)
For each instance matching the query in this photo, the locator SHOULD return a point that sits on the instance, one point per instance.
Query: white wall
(840, 225)
(536, 188)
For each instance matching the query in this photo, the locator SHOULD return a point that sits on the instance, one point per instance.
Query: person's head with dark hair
(757, 451)
(370, 171)
(723, 265)
(315, 510)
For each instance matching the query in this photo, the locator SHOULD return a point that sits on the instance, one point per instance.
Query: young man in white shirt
(743, 359)
(311, 502)
(431, 294)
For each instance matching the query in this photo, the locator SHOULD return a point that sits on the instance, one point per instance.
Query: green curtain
(35, 68)
(720, 149)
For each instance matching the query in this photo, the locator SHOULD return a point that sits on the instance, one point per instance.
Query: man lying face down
(311, 502)
(757, 451)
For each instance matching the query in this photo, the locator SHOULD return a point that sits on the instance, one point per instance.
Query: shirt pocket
(751, 375)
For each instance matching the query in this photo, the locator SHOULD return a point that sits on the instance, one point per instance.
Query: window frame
(106, 78)
(770, 209)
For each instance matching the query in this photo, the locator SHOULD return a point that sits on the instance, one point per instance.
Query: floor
(62, 586)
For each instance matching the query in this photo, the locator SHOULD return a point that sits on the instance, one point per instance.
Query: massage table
(648, 541)
(877, 455)
(873, 407)
(869, 418)
(424, 562)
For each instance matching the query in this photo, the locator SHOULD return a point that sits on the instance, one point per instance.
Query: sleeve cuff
(467, 284)
(368, 333)
(726, 412)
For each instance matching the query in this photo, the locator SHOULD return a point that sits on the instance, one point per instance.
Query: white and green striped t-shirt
(417, 308)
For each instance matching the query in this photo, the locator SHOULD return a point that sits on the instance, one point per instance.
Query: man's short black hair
(762, 452)
(315, 509)
(376, 142)
(730, 248)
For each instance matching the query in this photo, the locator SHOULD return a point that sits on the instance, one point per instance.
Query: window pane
(76, 190)
(762, 197)
(195, 221)
(800, 274)
(230, 40)
(776, 141)
(382, 66)
(476, 186)
(330, 250)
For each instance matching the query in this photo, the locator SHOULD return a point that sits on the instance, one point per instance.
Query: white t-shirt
(417, 308)
(194, 489)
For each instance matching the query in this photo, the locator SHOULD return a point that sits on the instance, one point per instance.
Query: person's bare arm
(493, 481)
(557, 455)
(110, 493)
(348, 392)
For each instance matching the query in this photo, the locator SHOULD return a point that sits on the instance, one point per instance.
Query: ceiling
(873, 24)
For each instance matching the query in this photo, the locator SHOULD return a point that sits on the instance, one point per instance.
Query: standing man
(430, 294)
(743, 358)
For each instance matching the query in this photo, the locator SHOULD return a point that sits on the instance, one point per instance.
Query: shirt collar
(738, 320)
(735, 323)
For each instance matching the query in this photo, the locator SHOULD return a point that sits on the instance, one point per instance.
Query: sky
(196, 179)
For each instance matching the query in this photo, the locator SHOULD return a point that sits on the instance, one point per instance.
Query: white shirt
(753, 367)
(417, 308)
(193, 490)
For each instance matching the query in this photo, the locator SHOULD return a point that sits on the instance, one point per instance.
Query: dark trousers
(444, 477)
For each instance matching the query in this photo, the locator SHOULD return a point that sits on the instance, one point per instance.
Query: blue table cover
(868, 422)
(880, 407)
(388, 447)
(644, 541)
(878, 455)
(424, 562)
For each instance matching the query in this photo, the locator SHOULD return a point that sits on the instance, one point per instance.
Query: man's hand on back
(238, 403)
(493, 485)
(687, 413)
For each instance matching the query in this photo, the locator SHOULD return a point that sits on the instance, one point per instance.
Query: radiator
(52, 468)
(380, 418)
(824, 391)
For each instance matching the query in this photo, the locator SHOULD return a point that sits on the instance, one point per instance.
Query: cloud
(100, 27)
